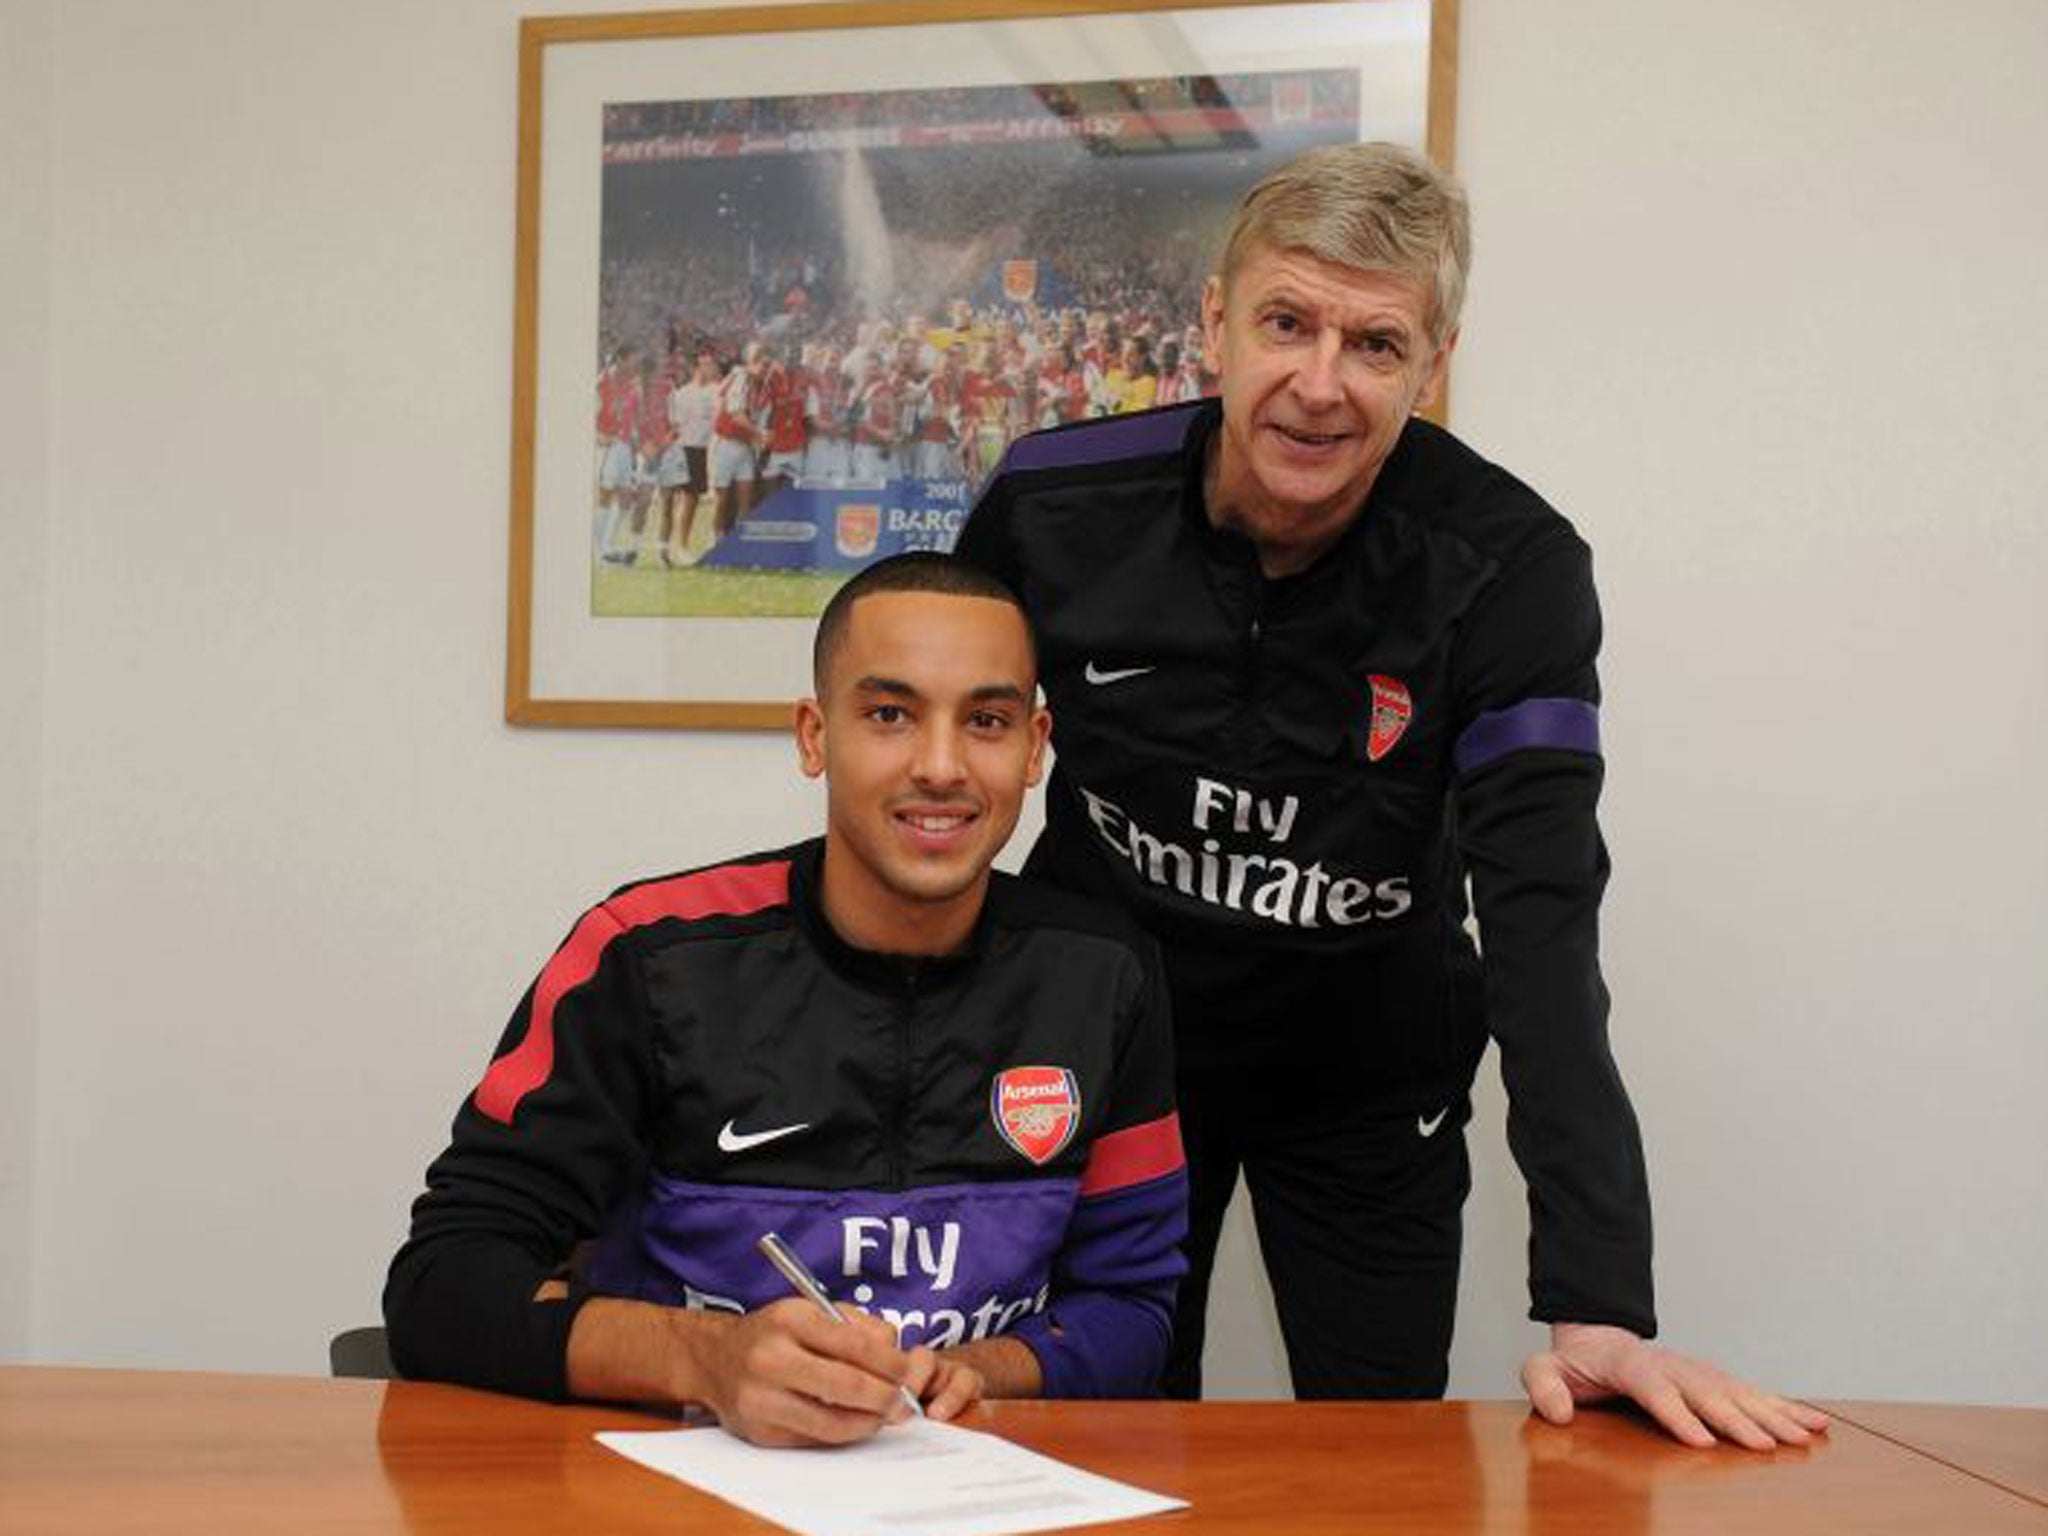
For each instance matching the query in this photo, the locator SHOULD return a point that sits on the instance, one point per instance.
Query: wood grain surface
(93, 1451)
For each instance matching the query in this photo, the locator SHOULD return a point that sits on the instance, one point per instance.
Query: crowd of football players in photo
(694, 432)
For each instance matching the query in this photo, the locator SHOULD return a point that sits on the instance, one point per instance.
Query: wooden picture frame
(677, 156)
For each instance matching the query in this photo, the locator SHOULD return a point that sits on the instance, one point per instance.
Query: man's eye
(989, 720)
(888, 714)
(1282, 325)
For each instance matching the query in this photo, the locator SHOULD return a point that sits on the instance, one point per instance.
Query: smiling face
(927, 736)
(1322, 365)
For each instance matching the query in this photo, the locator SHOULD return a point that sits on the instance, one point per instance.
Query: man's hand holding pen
(787, 1374)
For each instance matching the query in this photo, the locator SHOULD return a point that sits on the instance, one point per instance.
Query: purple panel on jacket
(1565, 725)
(1099, 442)
(945, 1264)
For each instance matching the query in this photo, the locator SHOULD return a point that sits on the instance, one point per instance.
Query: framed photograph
(789, 278)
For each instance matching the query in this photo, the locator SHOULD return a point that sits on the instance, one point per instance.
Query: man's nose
(1318, 375)
(940, 763)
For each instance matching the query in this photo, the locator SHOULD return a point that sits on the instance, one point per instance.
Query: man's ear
(1438, 367)
(810, 737)
(1041, 733)
(1212, 324)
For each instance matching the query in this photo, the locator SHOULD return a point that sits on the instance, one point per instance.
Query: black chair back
(360, 1352)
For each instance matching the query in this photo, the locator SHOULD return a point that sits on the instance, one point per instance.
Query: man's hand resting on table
(1695, 1401)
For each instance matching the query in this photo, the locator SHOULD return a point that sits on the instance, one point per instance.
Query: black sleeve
(1527, 794)
(540, 1153)
(985, 541)
(1144, 1058)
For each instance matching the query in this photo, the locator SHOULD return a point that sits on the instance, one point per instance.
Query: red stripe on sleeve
(732, 891)
(526, 1066)
(1133, 1156)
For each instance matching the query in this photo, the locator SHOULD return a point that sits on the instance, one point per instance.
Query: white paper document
(918, 1478)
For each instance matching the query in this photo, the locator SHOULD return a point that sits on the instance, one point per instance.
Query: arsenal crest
(1392, 709)
(857, 529)
(1037, 1109)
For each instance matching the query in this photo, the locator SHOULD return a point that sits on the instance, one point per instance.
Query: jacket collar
(874, 969)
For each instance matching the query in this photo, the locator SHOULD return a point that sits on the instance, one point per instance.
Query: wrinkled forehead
(1343, 286)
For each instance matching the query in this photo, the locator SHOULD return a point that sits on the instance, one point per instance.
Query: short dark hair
(924, 570)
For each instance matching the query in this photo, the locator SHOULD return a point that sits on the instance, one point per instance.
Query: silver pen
(806, 1284)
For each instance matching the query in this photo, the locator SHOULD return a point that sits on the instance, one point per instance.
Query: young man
(692, 408)
(949, 1091)
(877, 423)
(935, 452)
(828, 451)
(738, 435)
(618, 427)
(788, 387)
(1316, 663)
(649, 501)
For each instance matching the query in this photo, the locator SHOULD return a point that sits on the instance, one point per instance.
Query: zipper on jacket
(1250, 666)
(899, 1138)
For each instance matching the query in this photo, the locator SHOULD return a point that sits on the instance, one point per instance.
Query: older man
(1316, 665)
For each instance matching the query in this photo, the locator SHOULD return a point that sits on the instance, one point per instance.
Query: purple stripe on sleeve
(1099, 442)
(1113, 1288)
(1561, 725)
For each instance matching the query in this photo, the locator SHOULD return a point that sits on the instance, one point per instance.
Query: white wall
(24, 495)
(1799, 415)
(1754, 304)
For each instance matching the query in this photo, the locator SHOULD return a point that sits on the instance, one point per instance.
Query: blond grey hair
(1377, 207)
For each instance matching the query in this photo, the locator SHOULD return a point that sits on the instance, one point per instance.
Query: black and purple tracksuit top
(1292, 781)
(971, 1146)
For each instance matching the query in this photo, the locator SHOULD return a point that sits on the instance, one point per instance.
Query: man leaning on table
(1315, 662)
(948, 1090)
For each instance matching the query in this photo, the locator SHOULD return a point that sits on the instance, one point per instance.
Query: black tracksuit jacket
(1291, 781)
(978, 1145)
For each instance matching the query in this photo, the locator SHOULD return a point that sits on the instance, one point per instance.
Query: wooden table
(172, 1452)
(2006, 1446)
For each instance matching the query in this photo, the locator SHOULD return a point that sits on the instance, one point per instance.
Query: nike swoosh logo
(1428, 1127)
(730, 1140)
(1095, 674)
